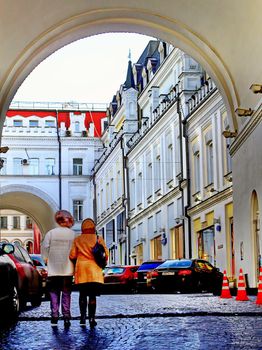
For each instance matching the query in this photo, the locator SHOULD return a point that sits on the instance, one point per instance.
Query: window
(148, 175)
(16, 222)
(18, 123)
(49, 123)
(17, 166)
(78, 210)
(77, 166)
(17, 253)
(3, 222)
(132, 188)
(34, 166)
(139, 189)
(156, 248)
(119, 184)
(33, 123)
(77, 127)
(197, 171)
(107, 195)
(50, 166)
(157, 170)
(169, 158)
(209, 159)
(29, 223)
(3, 166)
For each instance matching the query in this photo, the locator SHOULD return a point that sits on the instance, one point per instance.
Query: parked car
(41, 267)
(9, 300)
(29, 280)
(141, 274)
(119, 278)
(187, 275)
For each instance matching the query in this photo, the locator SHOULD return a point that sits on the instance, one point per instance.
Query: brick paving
(144, 322)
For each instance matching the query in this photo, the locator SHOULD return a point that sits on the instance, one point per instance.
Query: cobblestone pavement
(143, 322)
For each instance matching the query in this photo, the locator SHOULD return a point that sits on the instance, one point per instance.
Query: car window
(38, 260)
(204, 265)
(149, 265)
(25, 254)
(18, 255)
(133, 269)
(114, 270)
(176, 263)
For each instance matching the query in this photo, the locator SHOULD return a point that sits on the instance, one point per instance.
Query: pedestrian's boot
(54, 321)
(67, 323)
(83, 320)
(91, 314)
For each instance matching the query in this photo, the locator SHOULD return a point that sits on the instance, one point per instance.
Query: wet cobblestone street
(193, 321)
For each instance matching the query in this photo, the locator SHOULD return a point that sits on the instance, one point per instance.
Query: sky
(88, 70)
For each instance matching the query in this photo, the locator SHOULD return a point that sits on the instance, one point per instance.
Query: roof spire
(129, 76)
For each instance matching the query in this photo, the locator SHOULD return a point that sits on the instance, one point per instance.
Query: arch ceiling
(30, 201)
(222, 35)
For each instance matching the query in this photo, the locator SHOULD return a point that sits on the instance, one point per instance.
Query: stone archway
(31, 201)
(105, 20)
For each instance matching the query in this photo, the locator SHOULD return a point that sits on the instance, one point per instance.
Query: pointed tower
(130, 94)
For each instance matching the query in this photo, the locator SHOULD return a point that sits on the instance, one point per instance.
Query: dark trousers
(60, 286)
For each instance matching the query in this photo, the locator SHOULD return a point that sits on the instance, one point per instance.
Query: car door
(6, 277)
(207, 274)
(31, 272)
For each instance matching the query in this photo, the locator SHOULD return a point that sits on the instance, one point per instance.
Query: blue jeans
(60, 286)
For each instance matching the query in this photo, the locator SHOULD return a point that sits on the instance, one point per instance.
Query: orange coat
(86, 269)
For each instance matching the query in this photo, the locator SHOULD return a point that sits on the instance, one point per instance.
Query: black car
(9, 300)
(142, 284)
(187, 275)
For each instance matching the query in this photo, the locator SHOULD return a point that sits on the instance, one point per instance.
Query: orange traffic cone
(225, 294)
(241, 288)
(259, 291)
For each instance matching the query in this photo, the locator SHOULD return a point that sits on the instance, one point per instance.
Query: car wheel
(14, 302)
(36, 300)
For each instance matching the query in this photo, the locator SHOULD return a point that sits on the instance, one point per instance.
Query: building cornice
(210, 202)
(246, 131)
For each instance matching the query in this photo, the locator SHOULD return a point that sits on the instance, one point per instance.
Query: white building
(48, 165)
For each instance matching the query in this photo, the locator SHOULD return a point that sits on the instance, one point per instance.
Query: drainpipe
(181, 167)
(94, 200)
(59, 162)
(188, 187)
(125, 200)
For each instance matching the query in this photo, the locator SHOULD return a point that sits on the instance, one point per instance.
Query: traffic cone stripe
(225, 293)
(241, 288)
(259, 291)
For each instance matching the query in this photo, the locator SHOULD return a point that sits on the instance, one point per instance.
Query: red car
(29, 280)
(119, 278)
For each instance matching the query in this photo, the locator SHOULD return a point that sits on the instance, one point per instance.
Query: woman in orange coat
(88, 275)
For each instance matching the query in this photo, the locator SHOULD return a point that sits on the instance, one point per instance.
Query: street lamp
(4, 149)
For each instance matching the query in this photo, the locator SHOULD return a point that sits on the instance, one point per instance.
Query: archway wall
(208, 31)
(247, 166)
(32, 202)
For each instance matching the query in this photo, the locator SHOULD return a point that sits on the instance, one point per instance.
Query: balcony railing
(201, 95)
(67, 106)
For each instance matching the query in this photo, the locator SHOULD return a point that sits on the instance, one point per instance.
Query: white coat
(56, 248)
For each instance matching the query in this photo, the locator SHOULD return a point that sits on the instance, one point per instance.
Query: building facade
(52, 149)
